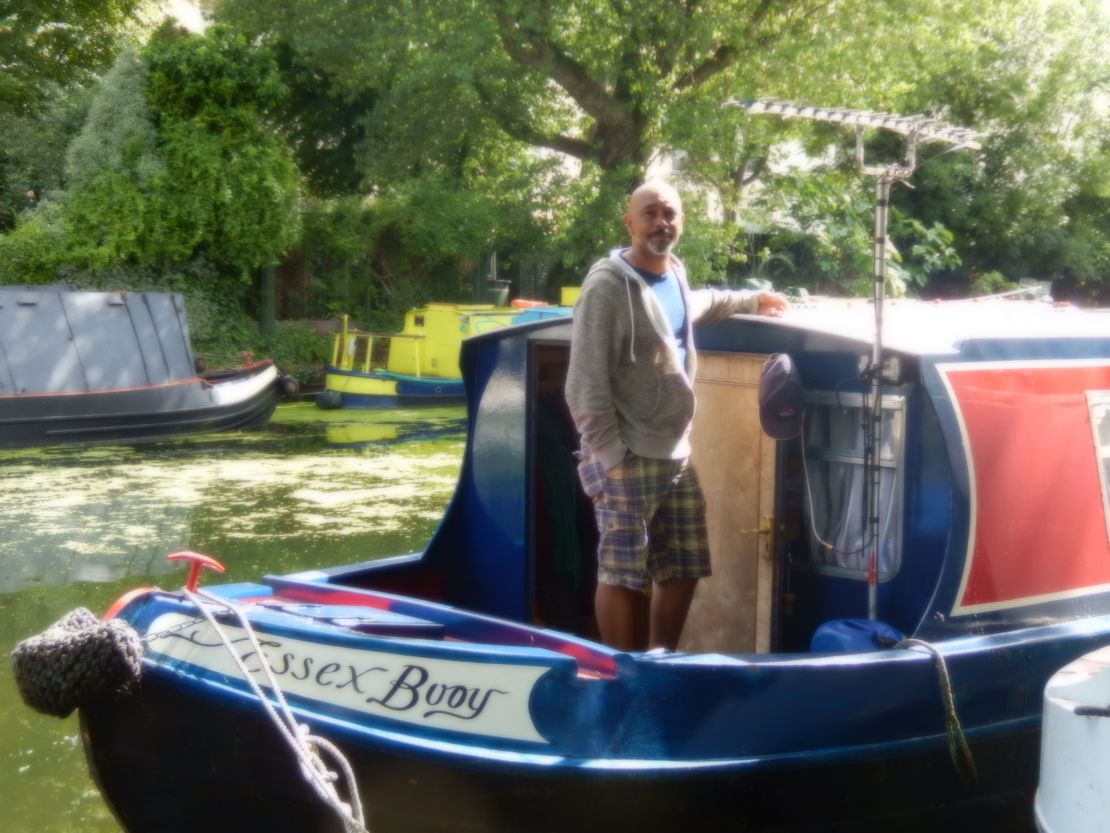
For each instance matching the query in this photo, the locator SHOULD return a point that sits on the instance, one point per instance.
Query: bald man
(630, 392)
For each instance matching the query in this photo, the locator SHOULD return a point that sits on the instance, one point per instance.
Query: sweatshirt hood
(630, 275)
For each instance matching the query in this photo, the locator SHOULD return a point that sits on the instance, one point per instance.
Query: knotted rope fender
(75, 661)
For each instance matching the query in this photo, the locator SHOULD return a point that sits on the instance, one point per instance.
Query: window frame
(1100, 399)
(893, 404)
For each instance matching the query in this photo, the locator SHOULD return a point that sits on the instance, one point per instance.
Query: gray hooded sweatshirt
(626, 386)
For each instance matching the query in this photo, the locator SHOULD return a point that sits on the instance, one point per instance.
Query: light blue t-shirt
(667, 290)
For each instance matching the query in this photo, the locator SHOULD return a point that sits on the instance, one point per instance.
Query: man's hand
(773, 304)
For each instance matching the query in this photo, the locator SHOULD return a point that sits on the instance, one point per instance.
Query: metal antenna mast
(916, 129)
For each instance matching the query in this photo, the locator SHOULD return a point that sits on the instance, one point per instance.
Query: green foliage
(326, 125)
(115, 173)
(928, 250)
(218, 78)
(400, 249)
(1035, 202)
(32, 160)
(231, 188)
(296, 349)
(50, 45)
(989, 283)
(456, 117)
(33, 251)
(175, 162)
(820, 221)
(459, 89)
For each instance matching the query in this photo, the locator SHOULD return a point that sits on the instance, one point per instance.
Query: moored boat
(115, 366)
(420, 364)
(465, 683)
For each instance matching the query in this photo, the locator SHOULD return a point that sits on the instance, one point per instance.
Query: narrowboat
(115, 366)
(466, 687)
(420, 364)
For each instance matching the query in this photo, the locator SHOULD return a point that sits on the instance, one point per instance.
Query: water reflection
(79, 526)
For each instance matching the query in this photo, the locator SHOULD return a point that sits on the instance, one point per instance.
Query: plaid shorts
(650, 520)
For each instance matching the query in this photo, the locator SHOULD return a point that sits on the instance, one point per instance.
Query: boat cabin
(429, 341)
(59, 340)
(994, 463)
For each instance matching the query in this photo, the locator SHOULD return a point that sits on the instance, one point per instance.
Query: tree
(1036, 201)
(595, 82)
(603, 84)
(175, 164)
(32, 159)
(325, 124)
(50, 53)
(49, 45)
(177, 159)
(116, 175)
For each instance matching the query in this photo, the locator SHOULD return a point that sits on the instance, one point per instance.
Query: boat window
(837, 483)
(1098, 402)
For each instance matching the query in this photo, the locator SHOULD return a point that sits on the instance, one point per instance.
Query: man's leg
(670, 602)
(620, 607)
(622, 616)
(679, 557)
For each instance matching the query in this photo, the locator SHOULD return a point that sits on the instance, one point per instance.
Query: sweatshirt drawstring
(631, 322)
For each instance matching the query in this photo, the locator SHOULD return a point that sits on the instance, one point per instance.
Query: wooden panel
(735, 462)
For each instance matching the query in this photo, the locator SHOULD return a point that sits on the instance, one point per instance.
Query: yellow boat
(420, 364)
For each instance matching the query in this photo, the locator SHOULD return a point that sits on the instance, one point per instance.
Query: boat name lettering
(289, 663)
(409, 688)
(412, 688)
(301, 669)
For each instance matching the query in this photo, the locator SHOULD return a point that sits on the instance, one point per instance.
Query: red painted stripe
(1040, 524)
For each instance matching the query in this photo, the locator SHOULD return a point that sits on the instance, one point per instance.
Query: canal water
(81, 525)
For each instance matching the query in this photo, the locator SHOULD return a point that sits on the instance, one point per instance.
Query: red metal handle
(197, 562)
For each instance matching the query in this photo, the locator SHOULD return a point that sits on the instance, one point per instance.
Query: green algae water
(80, 525)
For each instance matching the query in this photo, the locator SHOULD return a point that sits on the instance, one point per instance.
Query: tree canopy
(603, 86)
(415, 137)
(44, 45)
(176, 160)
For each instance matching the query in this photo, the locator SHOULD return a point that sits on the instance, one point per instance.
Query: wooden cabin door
(735, 461)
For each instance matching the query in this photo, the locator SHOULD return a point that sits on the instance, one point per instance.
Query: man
(630, 391)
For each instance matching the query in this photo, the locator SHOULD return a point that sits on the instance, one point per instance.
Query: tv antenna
(917, 129)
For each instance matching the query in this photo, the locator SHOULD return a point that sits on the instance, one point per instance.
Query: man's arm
(597, 336)
(709, 305)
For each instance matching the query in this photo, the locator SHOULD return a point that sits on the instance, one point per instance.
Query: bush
(298, 350)
(33, 251)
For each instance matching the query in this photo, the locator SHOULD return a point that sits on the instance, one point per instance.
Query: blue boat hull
(380, 389)
(502, 710)
(250, 781)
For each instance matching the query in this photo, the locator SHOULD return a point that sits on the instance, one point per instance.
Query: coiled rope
(308, 748)
(958, 749)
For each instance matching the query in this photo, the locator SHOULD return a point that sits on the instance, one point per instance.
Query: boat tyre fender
(328, 400)
(76, 661)
(288, 386)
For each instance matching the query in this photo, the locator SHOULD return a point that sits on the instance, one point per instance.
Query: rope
(306, 746)
(1092, 711)
(958, 749)
(75, 661)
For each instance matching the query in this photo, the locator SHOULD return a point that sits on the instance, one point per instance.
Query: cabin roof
(941, 327)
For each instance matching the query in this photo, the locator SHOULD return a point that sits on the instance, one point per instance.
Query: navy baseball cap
(780, 398)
